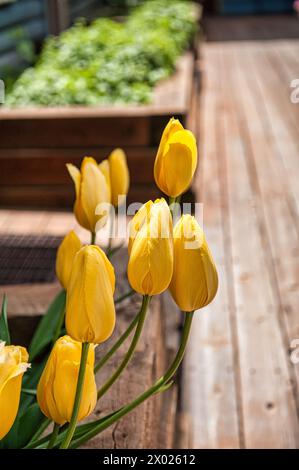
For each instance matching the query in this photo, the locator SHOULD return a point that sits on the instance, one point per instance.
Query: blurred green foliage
(108, 61)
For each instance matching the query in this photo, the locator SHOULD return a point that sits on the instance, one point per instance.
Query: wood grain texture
(151, 425)
(269, 411)
(243, 391)
(209, 392)
(60, 196)
(36, 143)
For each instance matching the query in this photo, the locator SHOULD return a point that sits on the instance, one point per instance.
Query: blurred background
(82, 77)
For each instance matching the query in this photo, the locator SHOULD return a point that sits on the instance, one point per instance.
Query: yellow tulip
(151, 249)
(90, 311)
(176, 159)
(119, 176)
(57, 386)
(13, 364)
(104, 167)
(65, 257)
(92, 190)
(138, 220)
(195, 281)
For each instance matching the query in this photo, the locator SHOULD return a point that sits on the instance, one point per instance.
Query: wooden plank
(36, 222)
(53, 133)
(147, 364)
(271, 149)
(285, 69)
(253, 27)
(278, 105)
(209, 392)
(62, 196)
(18, 13)
(268, 407)
(29, 299)
(58, 16)
(176, 90)
(44, 166)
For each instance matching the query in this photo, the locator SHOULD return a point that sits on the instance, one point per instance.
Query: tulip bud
(65, 257)
(90, 311)
(138, 220)
(104, 167)
(92, 190)
(151, 249)
(195, 281)
(13, 364)
(119, 176)
(58, 383)
(176, 159)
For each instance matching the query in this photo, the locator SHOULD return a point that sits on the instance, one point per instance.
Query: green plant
(108, 61)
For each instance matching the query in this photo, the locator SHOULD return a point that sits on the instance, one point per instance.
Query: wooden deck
(240, 386)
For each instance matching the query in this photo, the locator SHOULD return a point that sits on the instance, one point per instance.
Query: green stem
(93, 238)
(80, 431)
(173, 201)
(158, 386)
(78, 396)
(181, 351)
(110, 252)
(117, 345)
(53, 436)
(126, 359)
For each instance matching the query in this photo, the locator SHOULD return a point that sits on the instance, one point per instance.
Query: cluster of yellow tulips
(160, 257)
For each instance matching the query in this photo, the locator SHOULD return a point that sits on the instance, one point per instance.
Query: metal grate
(27, 259)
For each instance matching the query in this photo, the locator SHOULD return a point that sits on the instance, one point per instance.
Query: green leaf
(29, 422)
(4, 331)
(46, 329)
(108, 61)
(29, 391)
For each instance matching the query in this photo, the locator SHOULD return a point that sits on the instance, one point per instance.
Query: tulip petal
(119, 176)
(179, 162)
(104, 168)
(9, 404)
(45, 395)
(67, 250)
(90, 311)
(94, 191)
(75, 175)
(151, 253)
(173, 126)
(64, 389)
(137, 222)
(195, 281)
(12, 363)
(57, 386)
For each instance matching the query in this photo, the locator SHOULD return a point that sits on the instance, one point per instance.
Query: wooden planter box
(154, 423)
(36, 143)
